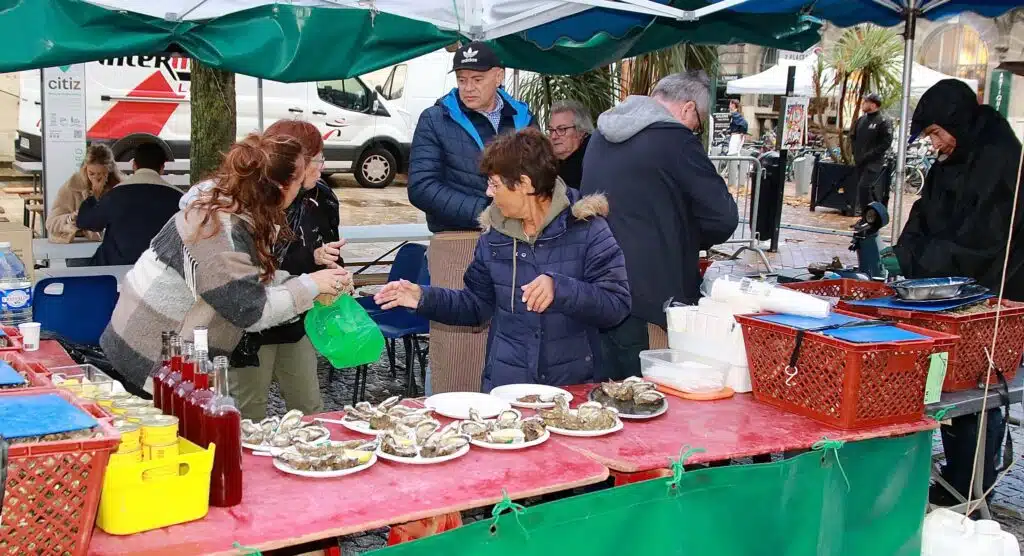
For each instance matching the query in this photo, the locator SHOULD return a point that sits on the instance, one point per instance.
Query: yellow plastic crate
(152, 494)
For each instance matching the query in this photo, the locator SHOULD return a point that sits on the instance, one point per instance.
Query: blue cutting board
(857, 334)
(923, 306)
(39, 414)
(808, 323)
(10, 377)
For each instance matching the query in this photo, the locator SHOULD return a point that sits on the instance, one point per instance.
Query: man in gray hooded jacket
(668, 203)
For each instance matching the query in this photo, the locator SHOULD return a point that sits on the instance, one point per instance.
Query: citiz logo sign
(64, 83)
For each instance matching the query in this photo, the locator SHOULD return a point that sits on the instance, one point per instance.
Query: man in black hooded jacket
(961, 227)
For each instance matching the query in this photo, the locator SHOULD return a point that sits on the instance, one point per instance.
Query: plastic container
(968, 361)
(85, 381)
(15, 288)
(947, 533)
(39, 518)
(683, 371)
(840, 383)
(152, 494)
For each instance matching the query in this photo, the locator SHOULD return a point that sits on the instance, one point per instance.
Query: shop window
(957, 50)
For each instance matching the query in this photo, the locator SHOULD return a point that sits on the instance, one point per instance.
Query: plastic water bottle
(15, 289)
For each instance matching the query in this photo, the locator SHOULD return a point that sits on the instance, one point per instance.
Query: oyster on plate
(589, 416)
(283, 432)
(398, 445)
(633, 397)
(443, 443)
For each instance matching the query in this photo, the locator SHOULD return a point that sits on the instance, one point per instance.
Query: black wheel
(375, 168)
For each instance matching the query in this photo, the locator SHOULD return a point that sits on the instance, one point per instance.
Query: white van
(363, 132)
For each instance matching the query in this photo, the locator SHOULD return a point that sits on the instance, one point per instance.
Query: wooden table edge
(343, 531)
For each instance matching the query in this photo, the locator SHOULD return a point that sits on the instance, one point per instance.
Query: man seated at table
(132, 213)
(961, 227)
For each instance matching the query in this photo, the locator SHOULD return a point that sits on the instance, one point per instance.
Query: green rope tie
(246, 550)
(506, 504)
(677, 465)
(827, 445)
(940, 415)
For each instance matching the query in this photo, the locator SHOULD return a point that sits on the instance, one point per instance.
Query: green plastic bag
(343, 333)
(863, 498)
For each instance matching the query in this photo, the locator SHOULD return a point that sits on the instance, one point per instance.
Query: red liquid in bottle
(169, 383)
(194, 406)
(158, 377)
(183, 389)
(222, 425)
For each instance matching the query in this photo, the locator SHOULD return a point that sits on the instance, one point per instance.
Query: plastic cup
(30, 335)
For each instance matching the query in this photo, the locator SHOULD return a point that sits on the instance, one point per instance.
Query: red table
(735, 427)
(281, 510)
(50, 354)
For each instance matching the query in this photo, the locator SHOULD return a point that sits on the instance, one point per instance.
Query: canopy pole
(901, 144)
(259, 103)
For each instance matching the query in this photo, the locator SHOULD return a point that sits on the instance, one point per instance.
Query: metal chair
(77, 307)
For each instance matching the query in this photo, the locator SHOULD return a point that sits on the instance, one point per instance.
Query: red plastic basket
(839, 383)
(968, 361)
(53, 488)
(845, 289)
(37, 375)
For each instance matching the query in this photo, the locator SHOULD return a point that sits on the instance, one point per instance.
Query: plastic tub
(683, 371)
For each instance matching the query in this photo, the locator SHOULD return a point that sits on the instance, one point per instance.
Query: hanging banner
(794, 125)
(999, 91)
(63, 126)
(719, 142)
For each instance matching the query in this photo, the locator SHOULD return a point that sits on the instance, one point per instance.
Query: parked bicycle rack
(752, 242)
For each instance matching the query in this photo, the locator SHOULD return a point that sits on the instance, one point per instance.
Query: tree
(600, 88)
(865, 59)
(213, 118)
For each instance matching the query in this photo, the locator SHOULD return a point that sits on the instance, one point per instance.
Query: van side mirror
(379, 88)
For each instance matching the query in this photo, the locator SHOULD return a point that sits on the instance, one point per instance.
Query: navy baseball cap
(475, 56)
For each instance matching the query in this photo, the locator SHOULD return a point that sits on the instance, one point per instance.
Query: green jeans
(294, 368)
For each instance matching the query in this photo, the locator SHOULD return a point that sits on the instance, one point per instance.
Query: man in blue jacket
(667, 203)
(445, 182)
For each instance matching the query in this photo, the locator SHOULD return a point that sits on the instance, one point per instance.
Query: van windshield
(348, 94)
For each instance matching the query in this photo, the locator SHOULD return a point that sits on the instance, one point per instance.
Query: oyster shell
(396, 445)
(310, 433)
(291, 421)
(533, 428)
(507, 419)
(281, 440)
(424, 429)
(474, 429)
(443, 443)
(647, 397)
(389, 403)
(269, 425)
(593, 416)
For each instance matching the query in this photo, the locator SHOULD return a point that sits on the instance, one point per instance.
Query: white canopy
(479, 19)
(772, 81)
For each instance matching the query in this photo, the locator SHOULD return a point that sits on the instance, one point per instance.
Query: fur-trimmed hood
(563, 198)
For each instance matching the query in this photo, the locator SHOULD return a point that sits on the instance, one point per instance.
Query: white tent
(772, 81)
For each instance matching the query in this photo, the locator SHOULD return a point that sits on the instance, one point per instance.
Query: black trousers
(621, 347)
(872, 185)
(958, 442)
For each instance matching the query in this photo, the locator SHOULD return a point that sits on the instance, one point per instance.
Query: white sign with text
(63, 126)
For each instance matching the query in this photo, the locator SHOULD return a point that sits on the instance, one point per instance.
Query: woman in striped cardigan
(213, 264)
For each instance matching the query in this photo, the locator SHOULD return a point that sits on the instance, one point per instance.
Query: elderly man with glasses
(570, 127)
(667, 204)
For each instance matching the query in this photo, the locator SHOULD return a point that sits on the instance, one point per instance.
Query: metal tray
(928, 289)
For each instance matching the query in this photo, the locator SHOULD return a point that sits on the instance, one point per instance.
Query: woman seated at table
(213, 264)
(97, 176)
(547, 272)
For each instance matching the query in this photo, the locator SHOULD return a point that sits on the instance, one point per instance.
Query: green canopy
(291, 42)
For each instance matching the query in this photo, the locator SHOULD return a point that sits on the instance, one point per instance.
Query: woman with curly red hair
(214, 263)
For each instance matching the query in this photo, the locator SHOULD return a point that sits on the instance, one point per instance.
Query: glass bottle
(201, 393)
(188, 376)
(222, 426)
(163, 391)
(161, 368)
(173, 379)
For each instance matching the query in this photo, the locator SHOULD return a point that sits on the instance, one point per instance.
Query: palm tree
(600, 88)
(865, 59)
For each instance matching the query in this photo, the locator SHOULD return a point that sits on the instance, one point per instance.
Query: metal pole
(901, 142)
(259, 103)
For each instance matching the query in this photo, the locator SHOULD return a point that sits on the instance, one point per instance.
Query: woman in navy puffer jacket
(547, 272)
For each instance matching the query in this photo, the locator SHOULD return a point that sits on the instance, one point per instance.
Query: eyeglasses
(318, 161)
(560, 131)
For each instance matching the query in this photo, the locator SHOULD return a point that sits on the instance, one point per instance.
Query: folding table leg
(356, 388)
(389, 345)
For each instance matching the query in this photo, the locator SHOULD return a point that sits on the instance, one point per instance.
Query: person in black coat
(131, 214)
(961, 227)
(667, 203)
(569, 128)
(871, 137)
